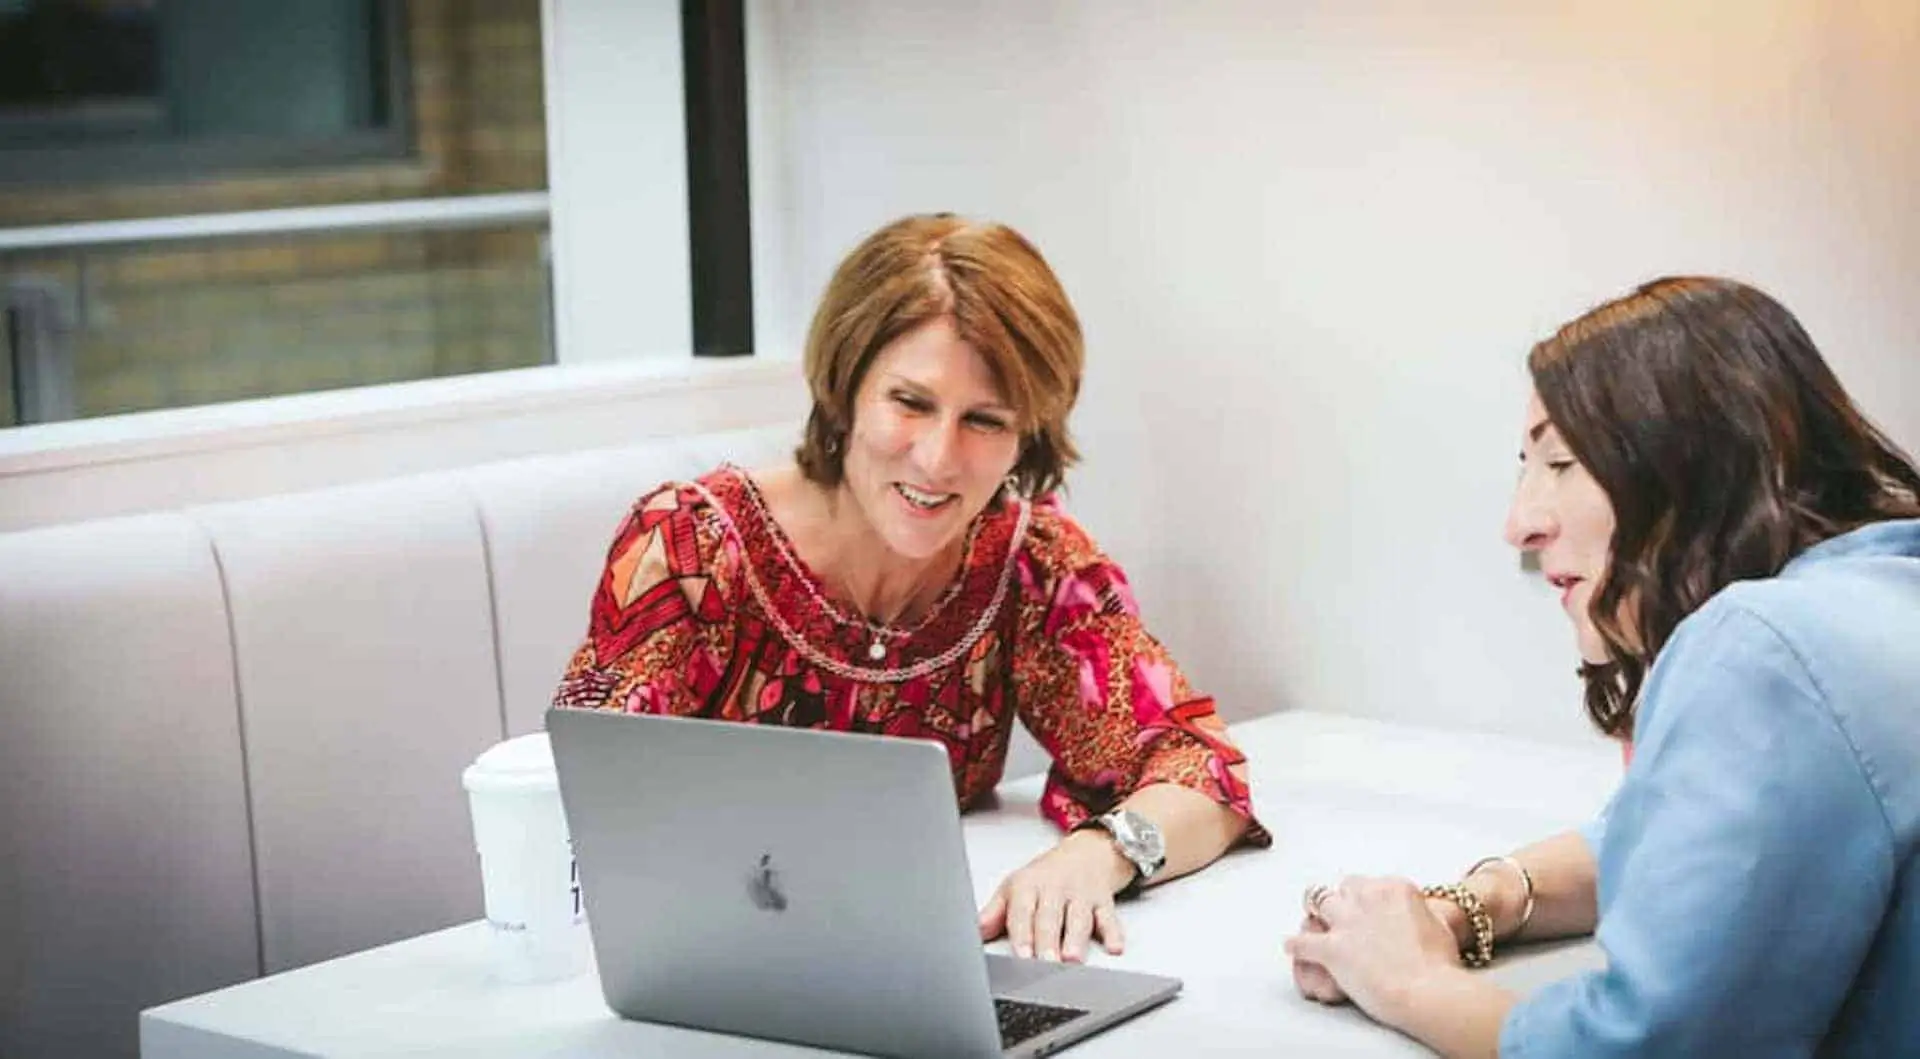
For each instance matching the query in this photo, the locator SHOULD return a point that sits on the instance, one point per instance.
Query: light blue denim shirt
(1759, 883)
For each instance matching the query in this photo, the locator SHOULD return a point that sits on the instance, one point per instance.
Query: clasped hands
(1368, 939)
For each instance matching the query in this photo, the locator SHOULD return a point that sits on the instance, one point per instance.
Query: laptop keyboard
(1021, 1020)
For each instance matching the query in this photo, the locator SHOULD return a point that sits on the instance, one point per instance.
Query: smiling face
(1562, 514)
(933, 438)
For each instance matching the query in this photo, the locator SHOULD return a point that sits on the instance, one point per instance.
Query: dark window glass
(104, 88)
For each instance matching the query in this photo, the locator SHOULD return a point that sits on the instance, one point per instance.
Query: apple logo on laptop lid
(763, 886)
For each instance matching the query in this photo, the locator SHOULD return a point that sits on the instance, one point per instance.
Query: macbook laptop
(802, 886)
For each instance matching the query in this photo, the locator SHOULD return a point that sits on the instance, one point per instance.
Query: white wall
(1312, 243)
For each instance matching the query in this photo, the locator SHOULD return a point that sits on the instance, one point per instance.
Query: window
(99, 89)
(320, 194)
(252, 266)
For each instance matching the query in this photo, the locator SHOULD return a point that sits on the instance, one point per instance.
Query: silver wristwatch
(1138, 840)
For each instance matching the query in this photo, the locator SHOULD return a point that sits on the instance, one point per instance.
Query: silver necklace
(871, 674)
(878, 632)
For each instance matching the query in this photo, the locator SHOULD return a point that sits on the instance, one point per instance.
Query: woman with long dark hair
(1738, 550)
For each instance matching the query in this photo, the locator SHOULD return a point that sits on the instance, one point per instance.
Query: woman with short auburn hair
(1002, 301)
(1738, 550)
(911, 573)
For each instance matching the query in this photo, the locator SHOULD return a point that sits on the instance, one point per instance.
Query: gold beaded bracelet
(1481, 952)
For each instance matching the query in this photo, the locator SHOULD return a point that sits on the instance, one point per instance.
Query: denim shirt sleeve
(1744, 865)
(1595, 830)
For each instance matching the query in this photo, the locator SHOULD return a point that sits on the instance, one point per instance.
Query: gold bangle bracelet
(1526, 884)
(1481, 954)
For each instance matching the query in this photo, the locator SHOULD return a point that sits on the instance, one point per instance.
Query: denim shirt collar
(1895, 537)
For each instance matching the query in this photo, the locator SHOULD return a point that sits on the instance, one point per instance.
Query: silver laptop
(802, 886)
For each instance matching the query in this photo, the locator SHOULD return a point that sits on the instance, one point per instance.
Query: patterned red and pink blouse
(705, 610)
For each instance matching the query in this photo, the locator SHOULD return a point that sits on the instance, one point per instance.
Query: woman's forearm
(1197, 828)
(1565, 901)
(1454, 1012)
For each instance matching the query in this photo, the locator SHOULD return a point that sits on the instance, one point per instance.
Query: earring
(1011, 484)
(833, 445)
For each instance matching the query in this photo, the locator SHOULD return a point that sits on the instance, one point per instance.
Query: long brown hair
(1725, 445)
(1004, 301)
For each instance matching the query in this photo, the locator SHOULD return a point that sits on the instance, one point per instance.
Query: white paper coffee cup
(535, 918)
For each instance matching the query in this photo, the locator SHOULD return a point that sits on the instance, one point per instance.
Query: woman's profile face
(932, 440)
(1560, 513)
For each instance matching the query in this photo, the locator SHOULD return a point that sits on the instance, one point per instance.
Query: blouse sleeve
(1101, 695)
(658, 617)
(1745, 865)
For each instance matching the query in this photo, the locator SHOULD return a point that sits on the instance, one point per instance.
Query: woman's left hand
(1055, 904)
(1381, 939)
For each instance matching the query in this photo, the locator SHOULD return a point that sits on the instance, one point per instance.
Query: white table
(1341, 795)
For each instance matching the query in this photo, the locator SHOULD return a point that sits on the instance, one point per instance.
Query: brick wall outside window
(202, 322)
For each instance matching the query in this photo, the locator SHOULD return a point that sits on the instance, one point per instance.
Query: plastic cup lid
(521, 763)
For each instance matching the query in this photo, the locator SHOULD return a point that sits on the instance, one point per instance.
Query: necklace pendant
(877, 650)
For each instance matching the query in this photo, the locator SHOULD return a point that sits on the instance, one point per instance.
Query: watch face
(1144, 838)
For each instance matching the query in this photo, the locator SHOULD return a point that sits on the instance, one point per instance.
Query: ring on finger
(1316, 894)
